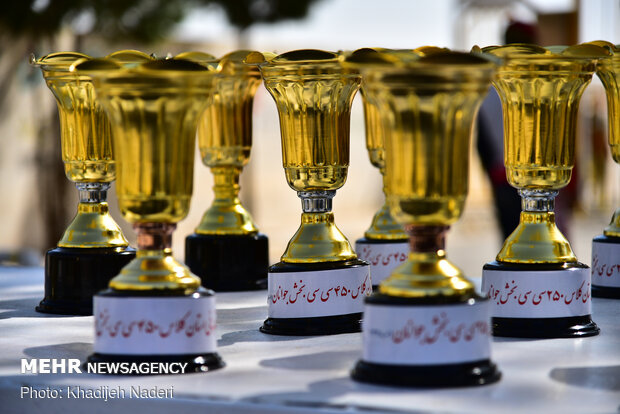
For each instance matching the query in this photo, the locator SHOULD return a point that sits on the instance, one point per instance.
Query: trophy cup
(426, 326)
(227, 251)
(92, 249)
(318, 286)
(155, 310)
(536, 286)
(385, 244)
(606, 247)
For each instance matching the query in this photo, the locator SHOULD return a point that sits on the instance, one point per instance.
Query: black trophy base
(314, 326)
(428, 376)
(462, 374)
(541, 328)
(195, 363)
(606, 292)
(205, 362)
(544, 328)
(600, 291)
(73, 276)
(229, 263)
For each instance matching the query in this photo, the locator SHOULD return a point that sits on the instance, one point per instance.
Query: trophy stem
(316, 201)
(226, 184)
(154, 236)
(427, 239)
(538, 200)
(93, 226)
(93, 192)
(537, 239)
(226, 215)
(318, 239)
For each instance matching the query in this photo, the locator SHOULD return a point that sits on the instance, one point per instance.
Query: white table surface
(276, 374)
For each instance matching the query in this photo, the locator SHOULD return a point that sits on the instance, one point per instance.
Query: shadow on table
(601, 378)
(329, 390)
(24, 308)
(330, 360)
(79, 350)
(248, 321)
(253, 335)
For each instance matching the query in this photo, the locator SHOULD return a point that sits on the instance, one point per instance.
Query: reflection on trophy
(536, 286)
(384, 244)
(92, 249)
(157, 304)
(227, 251)
(426, 325)
(319, 285)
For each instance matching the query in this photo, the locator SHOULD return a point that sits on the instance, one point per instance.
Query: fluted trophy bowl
(540, 89)
(154, 108)
(432, 96)
(313, 94)
(92, 248)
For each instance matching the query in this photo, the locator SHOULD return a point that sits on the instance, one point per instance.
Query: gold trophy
(385, 244)
(155, 310)
(536, 286)
(92, 249)
(426, 326)
(606, 247)
(318, 286)
(227, 251)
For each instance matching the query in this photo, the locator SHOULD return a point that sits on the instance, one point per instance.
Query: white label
(154, 325)
(426, 335)
(538, 294)
(320, 293)
(383, 257)
(606, 264)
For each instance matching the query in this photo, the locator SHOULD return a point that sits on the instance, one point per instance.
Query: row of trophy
(424, 325)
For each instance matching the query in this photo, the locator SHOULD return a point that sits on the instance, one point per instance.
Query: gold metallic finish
(427, 272)
(608, 71)
(93, 226)
(154, 134)
(85, 130)
(383, 226)
(540, 89)
(154, 108)
(613, 230)
(318, 240)
(428, 98)
(86, 145)
(154, 267)
(535, 240)
(225, 140)
(313, 94)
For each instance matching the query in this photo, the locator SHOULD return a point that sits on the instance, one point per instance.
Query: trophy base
(426, 376)
(383, 256)
(319, 325)
(73, 276)
(436, 341)
(605, 267)
(229, 263)
(544, 328)
(178, 329)
(562, 279)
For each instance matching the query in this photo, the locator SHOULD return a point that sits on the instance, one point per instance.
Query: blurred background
(37, 201)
